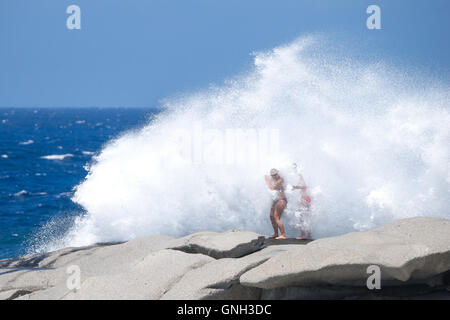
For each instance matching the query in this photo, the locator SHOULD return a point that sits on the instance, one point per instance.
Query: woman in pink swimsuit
(305, 206)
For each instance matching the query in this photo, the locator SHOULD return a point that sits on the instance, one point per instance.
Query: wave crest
(373, 143)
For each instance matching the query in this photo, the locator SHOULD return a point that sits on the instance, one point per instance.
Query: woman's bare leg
(305, 232)
(302, 227)
(274, 224)
(279, 208)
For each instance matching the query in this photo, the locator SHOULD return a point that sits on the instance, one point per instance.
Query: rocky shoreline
(413, 256)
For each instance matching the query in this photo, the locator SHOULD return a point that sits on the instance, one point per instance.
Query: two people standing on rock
(276, 183)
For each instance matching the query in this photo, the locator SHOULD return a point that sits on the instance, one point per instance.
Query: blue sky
(134, 53)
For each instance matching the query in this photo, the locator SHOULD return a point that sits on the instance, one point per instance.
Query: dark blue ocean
(43, 154)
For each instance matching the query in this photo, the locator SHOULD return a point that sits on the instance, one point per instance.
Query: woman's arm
(301, 184)
(271, 187)
(278, 184)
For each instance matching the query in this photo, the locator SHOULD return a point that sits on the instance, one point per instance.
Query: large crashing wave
(373, 145)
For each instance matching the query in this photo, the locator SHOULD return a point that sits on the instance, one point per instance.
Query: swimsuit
(307, 199)
(278, 199)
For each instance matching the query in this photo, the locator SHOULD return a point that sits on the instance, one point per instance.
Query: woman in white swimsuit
(275, 182)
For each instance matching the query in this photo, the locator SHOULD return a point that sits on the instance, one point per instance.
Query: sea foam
(57, 156)
(374, 145)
